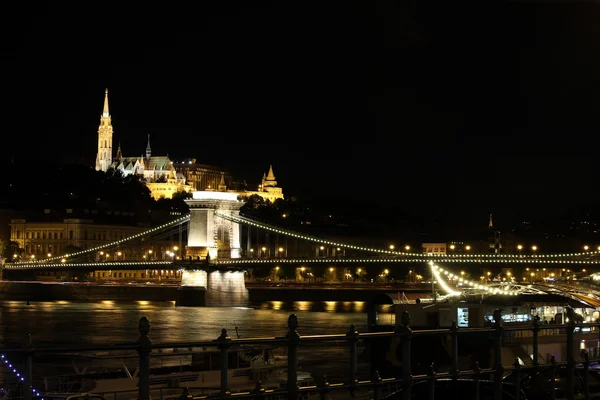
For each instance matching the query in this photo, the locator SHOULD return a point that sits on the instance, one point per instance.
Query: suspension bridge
(215, 232)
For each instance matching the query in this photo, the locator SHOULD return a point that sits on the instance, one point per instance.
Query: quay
(258, 291)
(377, 382)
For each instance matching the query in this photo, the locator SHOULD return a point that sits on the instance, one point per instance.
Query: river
(62, 323)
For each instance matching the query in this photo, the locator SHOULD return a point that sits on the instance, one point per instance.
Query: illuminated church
(157, 172)
(164, 177)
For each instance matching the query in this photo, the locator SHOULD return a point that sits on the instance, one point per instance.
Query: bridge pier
(200, 287)
(209, 235)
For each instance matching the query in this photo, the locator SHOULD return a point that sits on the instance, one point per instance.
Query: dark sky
(446, 108)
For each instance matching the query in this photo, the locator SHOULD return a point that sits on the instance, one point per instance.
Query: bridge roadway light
(392, 247)
(407, 247)
(586, 247)
(534, 248)
(467, 247)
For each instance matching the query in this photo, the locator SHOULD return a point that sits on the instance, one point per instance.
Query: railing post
(293, 342)
(454, 369)
(553, 378)
(325, 388)
(144, 349)
(258, 391)
(499, 369)
(406, 336)
(517, 366)
(536, 343)
(586, 375)
(376, 386)
(224, 342)
(352, 337)
(476, 379)
(28, 378)
(431, 374)
(570, 358)
(185, 395)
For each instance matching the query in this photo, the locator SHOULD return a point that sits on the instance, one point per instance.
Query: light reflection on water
(108, 322)
(63, 323)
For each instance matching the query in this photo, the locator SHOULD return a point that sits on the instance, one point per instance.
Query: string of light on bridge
(63, 258)
(437, 272)
(480, 257)
(402, 260)
(102, 265)
(408, 256)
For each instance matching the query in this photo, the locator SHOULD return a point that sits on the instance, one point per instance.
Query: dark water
(63, 323)
(107, 322)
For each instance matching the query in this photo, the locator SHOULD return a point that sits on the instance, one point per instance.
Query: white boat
(198, 369)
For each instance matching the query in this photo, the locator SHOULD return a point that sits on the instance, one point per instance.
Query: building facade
(41, 240)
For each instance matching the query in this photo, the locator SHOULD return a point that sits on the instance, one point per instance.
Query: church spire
(105, 112)
(148, 150)
(119, 154)
(105, 136)
(491, 225)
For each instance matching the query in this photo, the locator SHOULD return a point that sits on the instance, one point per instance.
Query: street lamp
(586, 247)
(407, 247)
(392, 247)
(534, 248)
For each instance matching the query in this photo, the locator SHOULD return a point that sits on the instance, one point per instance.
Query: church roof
(158, 162)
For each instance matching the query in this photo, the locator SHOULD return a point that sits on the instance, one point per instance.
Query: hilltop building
(157, 172)
(165, 177)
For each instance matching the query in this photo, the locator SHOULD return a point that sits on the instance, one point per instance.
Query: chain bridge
(215, 245)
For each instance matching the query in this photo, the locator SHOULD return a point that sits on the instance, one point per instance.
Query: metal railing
(376, 386)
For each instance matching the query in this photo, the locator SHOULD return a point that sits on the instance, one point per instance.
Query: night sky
(448, 109)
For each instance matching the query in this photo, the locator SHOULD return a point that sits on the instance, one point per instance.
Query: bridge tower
(209, 234)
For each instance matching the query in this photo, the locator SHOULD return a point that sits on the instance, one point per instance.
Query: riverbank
(257, 292)
(45, 291)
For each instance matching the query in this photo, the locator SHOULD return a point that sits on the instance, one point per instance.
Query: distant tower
(105, 136)
(494, 238)
(148, 150)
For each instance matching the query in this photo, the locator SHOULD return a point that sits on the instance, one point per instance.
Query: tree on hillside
(10, 248)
